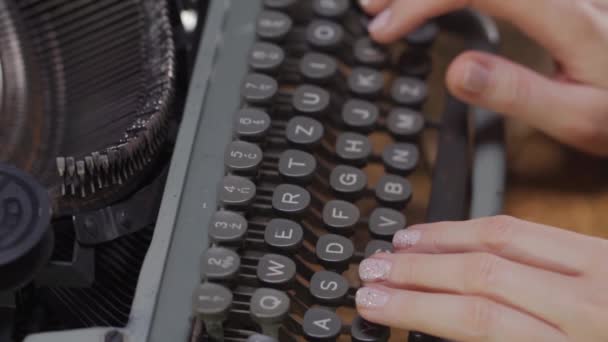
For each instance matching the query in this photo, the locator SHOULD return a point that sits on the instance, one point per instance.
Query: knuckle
(497, 232)
(484, 272)
(480, 315)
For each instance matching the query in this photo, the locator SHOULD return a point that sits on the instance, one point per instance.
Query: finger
(520, 241)
(374, 6)
(572, 113)
(585, 27)
(455, 317)
(478, 274)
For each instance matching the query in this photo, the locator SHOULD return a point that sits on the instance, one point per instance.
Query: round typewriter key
(273, 25)
(220, 264)
(360, 115)
(353, 148)
(211, 303)
(261, 338)
(377, 246)
(236, 191)
(340, 216)
(303, 131)
(290, 199)
(259, 88)
(347, 180)
(321, 324)
(384, 223)
(310, 100)
(324, 35)
(242, 157)
(279, 4)
(297, 166)
(364, 331)
(276, 270)
(283, 235)
(318, 67)
(331, 8)
(328, 288)
(266, 57)
(334, 251)
(268, 308)
(367, 52)
(393, 191)
(400, 158)
(409, 91)
(366, 82)
(405, 123)
(251, 124)
(227, 227)
(424, 35)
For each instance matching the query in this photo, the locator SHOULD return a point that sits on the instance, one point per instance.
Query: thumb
(573, 113)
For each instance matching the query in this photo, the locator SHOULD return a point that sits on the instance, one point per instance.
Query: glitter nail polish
(371, 298)
(404, 239)
(374, 270)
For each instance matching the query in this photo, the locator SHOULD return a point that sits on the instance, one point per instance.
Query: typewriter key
(400, 158)
(334, 251)
(303, 131)
(424, 35)
(393, 191)
(273, 25)
(259, 88)
(377, 246)
(236, 192)
(268, 308)
(353, 148)
(242, 157)
(328, 288)
(220, 264)
(266, 57)
(283, 235)
(405, 123)
(310, 100)
(211, 303)
(366, 82)
(252, 124)
(384, 223)
(409, 91)
(227, 227)
(348, 181)
(321, 324)
(289, 199)
(297, 166)
(331, 8)
(360, 115)
(340, 216)
(325, 35)
(367, 52)
(364, 331)
(276, 270)
(318, 68)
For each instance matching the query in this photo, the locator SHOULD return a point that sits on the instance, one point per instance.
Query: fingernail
(365, 3)
(380, 21)
(476, 77)
(370, 298)
(374, 269)
(404, 239)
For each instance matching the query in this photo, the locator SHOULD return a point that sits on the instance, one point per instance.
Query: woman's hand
(491, 279)
(572, 106)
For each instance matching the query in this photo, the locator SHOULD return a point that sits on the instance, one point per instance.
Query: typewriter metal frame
(161, 309)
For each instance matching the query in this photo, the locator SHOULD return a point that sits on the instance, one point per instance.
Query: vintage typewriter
(215, 170)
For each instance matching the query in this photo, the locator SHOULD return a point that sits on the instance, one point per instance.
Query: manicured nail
(374, 269)
(476, 77)
(370, 298)
(380, 21)
(407, 238)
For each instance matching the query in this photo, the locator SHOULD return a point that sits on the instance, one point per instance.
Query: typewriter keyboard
(316, 175)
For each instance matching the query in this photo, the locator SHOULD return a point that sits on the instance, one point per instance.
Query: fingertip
(373, 7)
(469, 75)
